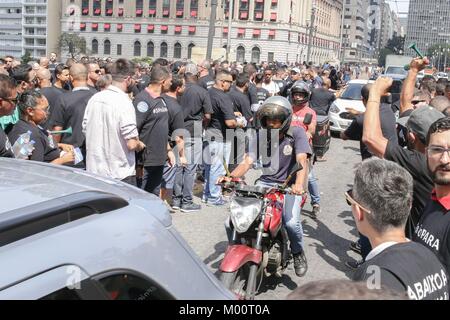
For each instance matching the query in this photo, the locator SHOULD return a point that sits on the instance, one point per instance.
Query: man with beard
(412, 159)
(433, 229)
(109, 125)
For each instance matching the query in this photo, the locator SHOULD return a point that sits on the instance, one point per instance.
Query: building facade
(41, 26)
(356, 31)
(428, 24)
(261, 30)
(10, 28)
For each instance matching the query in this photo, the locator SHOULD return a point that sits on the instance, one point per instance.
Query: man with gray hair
(381, 200)
(205, 79)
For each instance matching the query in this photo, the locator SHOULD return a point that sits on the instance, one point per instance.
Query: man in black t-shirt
(380, 201)
(51, 93)
(152, 119)
(322, 98)
(69, 110)
(176, 134)
(218, 148)
(414, 159)
(8, 95)
(433, 229)
(206, 80)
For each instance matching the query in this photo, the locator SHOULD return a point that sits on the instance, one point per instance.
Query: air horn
(68, 131)
(414, 47)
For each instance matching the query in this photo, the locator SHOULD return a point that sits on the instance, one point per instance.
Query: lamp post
(212, 27)
(311, 33)
(439, 59)
(230, 15)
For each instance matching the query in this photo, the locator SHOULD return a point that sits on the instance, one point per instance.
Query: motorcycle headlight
(244, 211)
(334, 108)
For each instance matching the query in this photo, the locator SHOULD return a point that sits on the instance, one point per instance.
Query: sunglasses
(351, 201)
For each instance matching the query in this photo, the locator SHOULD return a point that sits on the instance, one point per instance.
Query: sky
(399, 5)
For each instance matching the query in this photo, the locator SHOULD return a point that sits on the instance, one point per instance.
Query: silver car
(66, 234)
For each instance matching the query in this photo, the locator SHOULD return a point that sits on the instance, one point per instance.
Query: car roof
(360, 81)
(395, 76)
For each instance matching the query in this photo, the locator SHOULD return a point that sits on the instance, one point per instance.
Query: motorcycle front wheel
(236, 281)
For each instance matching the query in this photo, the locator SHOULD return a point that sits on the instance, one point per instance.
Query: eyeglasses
(351, 201)
(437, 152)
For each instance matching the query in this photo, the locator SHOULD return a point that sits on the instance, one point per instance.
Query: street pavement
(327, 240)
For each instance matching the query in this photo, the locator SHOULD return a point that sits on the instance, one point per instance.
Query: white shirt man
(109, 122)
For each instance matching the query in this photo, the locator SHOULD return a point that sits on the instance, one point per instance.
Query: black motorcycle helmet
(303, 88)
(275, 108)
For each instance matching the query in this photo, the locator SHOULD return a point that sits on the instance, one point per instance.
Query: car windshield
(396, 70)
(353, 92)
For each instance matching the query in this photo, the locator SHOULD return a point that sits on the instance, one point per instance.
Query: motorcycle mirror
(308, 119)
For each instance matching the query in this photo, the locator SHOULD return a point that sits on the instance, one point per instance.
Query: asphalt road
(327, 240)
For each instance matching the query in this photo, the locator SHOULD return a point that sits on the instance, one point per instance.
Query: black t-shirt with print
(407, 267)
(152, 119)
(5, 146)
(416, 164)
(45, 149)
(196, 103)
(52, 94)
(176, 116)
(206, 82)
(433, 231)
(223, 110)
(321, 100)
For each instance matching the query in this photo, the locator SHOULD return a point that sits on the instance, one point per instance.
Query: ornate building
(262, 30)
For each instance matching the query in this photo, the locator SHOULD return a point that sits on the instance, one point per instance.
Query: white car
(340, 118)
(442, 75)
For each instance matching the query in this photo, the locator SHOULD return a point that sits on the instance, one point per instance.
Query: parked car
(442, 75)
(340, 118)
(67, 234)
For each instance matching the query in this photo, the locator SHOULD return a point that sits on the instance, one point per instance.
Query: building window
(97, 8)
(194, 8)
(256, 55)
(137, 49)
(139, 8)
(119, 49)
(190, 50)
(177, 51)
(95, 46)
(166, 8)
(180, 8)
(152, 8)
(150, 49)
(85, 7)
(240, 54)
(109, 8)
(270, 56)
(163, 49)
(164, 29)
(107, 47)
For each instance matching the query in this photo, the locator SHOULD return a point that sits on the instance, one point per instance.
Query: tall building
(389, 24)
(428, 23)
(41, 26)
(403, 25)
(10, 28)
(261, 30)
(355, 31)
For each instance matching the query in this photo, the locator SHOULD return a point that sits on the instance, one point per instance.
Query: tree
(396, 45)
(382, 57)
(26, 57)
(73, 43)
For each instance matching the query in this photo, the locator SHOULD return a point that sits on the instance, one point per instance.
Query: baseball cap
(296, 70)
(421, 120)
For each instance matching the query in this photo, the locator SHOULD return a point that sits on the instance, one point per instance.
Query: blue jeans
(291, 220)
(214, 154)
(313, 188)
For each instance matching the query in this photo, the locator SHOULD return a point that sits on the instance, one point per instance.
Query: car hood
(25, 183)
(354, 104)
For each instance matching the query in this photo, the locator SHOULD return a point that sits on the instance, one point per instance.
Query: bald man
(44, 62)
(52, 94)
(69, 111)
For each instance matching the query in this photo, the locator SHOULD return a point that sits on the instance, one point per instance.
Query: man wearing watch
(286, 146)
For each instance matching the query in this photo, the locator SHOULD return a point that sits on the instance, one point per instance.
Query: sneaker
(355, 246)
(300, 264)
(190, 207)
(218, 203)
(315, 211)
(169, 207)
(204, 199)
(176, 205)
(354, 264)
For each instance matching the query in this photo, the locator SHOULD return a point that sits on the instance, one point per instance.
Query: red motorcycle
(259, 246)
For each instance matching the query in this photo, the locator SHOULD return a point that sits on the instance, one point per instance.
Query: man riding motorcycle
(289, 146)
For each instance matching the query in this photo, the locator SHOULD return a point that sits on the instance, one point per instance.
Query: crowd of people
(164, 126)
